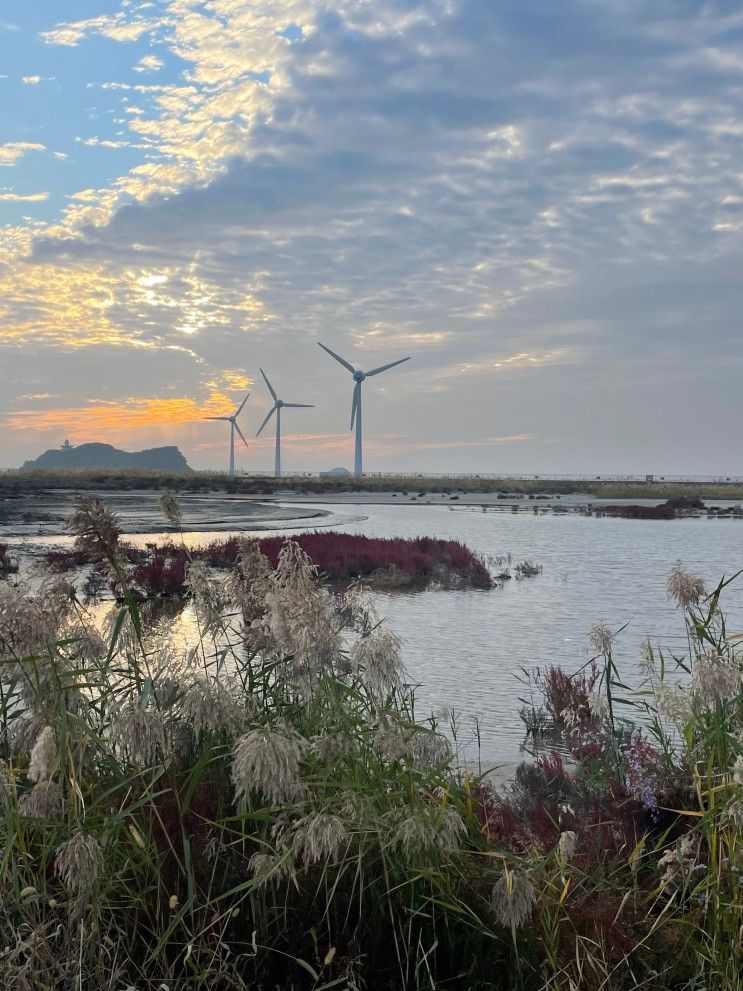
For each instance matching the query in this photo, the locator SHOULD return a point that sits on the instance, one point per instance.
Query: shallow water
(467, 649)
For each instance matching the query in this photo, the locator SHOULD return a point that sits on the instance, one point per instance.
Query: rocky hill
(106, 456)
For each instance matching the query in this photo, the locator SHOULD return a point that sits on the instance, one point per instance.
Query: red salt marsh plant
(343, 557)
(163, 575)
(394, 562)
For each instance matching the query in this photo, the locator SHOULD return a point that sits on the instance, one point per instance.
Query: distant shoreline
(365, 490)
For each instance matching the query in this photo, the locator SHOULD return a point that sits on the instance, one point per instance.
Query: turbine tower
(232, 420)
(278, 405)
(358, 377)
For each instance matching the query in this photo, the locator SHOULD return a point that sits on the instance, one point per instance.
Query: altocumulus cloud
(542, 200)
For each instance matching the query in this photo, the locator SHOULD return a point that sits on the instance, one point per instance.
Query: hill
(106, 456)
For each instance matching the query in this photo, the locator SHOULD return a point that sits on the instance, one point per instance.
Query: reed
(8, 563)
(266, 810)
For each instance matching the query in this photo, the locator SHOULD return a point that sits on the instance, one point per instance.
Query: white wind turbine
(358, 377)
(278, 405)
(233, 427)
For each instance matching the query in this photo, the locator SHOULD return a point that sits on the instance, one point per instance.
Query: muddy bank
(43, 513)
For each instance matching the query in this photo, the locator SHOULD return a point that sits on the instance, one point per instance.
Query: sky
(541, 202)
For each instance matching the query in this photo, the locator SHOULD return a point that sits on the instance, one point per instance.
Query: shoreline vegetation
(18, 482)
(269, 810)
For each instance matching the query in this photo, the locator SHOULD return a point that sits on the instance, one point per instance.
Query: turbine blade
(216, 418)
(242, 438)
(240, 407)
(270, 414)
(355, 402)
(270, 387)
(298, 406)
(338, 358)
(383, 368)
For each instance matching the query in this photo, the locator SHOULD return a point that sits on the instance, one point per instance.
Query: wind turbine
(358, 377)
(233, 427)
(278, 405)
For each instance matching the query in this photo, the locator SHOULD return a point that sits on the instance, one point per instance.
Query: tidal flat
(43, 512)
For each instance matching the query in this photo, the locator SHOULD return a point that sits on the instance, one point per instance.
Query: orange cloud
(119, 420)
(234, 381)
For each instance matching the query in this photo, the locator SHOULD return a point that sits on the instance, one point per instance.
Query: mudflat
(44, 512)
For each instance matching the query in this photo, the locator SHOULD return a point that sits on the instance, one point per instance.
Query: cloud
(458, 443)
(235, 58)
(117, 420)
(118, 27)
(13, 151)
(32, 80)
(235, 381)
(149, 63)
(454, 151)
(520, 361)
(92, 305)
(85, 195)
(313, 444)
(102, 143)
(10, 197)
